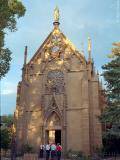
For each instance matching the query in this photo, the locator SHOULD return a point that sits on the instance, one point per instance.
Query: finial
(89, 47)
(56, 16)
(25, 55)
(101, 82)
(97, 73)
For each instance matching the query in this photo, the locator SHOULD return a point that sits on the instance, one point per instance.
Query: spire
(89, 48)
(101, 83)
(25, 56)
(97, 73)
(56, 16)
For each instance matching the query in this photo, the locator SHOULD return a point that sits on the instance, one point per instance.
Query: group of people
(51, 151)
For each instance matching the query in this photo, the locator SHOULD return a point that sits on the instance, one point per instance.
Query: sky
(99, 19)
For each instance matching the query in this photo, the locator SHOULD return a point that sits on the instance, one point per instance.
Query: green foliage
(112, 77)
(5, 138)
(111, 142)
(8, 120)
(6, 132)
(76, 155)
(5, 58)
(27, 148)
(111, 114)
(10, 10)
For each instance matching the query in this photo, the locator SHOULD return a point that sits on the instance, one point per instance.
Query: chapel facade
(59, 97)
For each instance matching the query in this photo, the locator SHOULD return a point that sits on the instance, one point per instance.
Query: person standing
(41, 151)
(47, 148)
(53, 151)
(59, 150)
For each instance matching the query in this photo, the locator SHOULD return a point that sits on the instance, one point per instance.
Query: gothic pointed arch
(52, 107)
(53, 119)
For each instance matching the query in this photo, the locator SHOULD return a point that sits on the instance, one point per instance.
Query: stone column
(85, 116)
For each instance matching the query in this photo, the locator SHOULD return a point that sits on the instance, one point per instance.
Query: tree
(6, 131)
(10, 10)
(111, 115)
(112, 77)
(27, 148)
(7, 120)
(6, 137)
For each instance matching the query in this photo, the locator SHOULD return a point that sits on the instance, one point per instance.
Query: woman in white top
(47, 148)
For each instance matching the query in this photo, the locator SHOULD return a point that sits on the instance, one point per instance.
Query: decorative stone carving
(55, 82)
(52, 106)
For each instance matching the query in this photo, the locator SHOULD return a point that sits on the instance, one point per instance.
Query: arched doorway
(53, 129)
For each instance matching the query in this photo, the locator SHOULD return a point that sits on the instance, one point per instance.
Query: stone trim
(76, 108)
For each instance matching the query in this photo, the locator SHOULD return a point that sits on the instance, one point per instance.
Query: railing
(25, 157)
(30, 157)
(103, 156)
(110, 156)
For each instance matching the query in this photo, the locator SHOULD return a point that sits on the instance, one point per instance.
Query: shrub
(76, 155)
(27, 148)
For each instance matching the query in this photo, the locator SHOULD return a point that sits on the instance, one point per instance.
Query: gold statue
(56, 14)
(89, 44)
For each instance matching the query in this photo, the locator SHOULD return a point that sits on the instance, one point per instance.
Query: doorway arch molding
(52, 114)
(53, 128)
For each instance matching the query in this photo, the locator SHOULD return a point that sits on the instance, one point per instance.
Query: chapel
(59, 98)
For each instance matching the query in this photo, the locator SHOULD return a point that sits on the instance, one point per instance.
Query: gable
(56, 47)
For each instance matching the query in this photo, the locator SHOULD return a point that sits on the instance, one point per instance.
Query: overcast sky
(99, 19)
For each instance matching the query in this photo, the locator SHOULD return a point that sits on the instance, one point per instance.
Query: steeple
(56, 17)
(25, 56)
(89, 48)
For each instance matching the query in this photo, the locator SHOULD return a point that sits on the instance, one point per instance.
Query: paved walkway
(21, 158)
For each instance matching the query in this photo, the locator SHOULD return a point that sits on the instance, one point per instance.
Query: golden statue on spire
(89, 47)
(56, 14)
(89, 44)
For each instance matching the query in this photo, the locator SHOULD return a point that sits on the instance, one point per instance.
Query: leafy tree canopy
(6, 136)
(10, 10)
(6, 131)
(112, 77)
(7, 119)
(111, 115)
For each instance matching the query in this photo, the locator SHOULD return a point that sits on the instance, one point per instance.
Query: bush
(111, 143)
(5, 139)
(76, 155)
(27, 148)
(98, 152)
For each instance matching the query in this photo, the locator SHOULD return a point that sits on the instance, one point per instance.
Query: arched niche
(53, 121)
